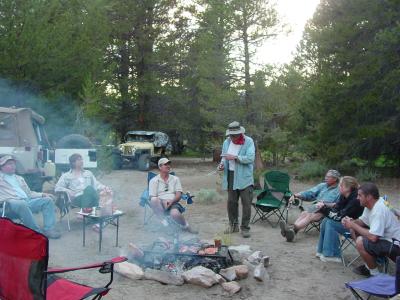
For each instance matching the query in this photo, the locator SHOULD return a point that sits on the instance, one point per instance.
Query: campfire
(179, 257)
(196, 262)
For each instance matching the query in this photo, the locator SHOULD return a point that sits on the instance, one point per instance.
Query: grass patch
(207, 196)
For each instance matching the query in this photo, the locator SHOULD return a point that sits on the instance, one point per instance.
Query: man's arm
(249, 157)
(360, 228)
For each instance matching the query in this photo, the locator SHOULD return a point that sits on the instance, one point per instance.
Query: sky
(295, 13)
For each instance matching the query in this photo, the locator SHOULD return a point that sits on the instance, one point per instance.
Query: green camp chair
(274, 198)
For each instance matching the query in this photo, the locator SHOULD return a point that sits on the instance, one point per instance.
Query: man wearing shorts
(374, 230)
(165, 191)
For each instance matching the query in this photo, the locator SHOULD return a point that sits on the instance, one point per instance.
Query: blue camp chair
(145, 199)
(382, 285)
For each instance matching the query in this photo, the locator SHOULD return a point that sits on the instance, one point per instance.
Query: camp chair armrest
(113, 261)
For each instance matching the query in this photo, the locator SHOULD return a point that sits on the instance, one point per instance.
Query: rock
(129, 270)
(231, 287)
(259, 272)
(265, 261)
(229, 274)
(255, 258)
(200, 276)
(237, 258)
(220, 279)
(248, 264)
(240, 252)
(241, 271)
(163, 277)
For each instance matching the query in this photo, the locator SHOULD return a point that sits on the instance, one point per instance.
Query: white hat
(5, 159)
(235, 128)
(163, 161)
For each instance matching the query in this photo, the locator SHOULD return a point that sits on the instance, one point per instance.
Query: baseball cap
(5, 159)
(163, 161)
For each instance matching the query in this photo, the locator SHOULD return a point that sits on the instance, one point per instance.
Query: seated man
(327, 193)
(165, 191)
(374, 230)
(22, 201)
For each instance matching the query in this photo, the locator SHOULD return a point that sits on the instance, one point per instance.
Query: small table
(102, 221)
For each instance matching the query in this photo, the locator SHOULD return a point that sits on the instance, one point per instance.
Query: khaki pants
(246, 195)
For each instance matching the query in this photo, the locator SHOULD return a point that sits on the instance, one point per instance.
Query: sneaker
(330, 259)
(362, 270)
(87, 210)
(190, 229)
(283, 226)
(246, 234)
(318, 254)
(290, 234)
(232, 229)
(52, 234)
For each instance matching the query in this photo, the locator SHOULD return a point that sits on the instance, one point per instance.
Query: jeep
(140, 148)
(22, 135)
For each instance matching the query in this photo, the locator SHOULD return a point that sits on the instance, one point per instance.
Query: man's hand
(320, 204)
(221, 167)
(168, 203)
(347, 222)
(230, 157)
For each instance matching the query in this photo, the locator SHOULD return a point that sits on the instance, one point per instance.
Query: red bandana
(239, 140)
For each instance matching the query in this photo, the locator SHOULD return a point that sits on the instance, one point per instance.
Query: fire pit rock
(201, 276)
(129, 270)
(229, 274)
(163, 276)
(231, 287)
(241, 272)
(255, 258)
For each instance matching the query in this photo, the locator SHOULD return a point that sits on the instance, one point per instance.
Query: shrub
(366, 174)
(311, 169)
(207, 196)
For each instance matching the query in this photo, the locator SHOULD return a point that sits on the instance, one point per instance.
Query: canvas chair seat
(273, 200)
(23, 274)
(382, 285)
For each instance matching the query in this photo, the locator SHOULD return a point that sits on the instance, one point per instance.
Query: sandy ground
(295, 272)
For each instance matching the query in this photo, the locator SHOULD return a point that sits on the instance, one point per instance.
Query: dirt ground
(295, 273)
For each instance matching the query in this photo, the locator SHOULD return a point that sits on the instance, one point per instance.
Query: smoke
(63, 114)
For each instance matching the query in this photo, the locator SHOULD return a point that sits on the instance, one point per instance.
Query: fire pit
(179, 257)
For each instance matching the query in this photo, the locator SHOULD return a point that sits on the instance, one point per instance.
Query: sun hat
(235, 128)
(163, 161)
(4, 159)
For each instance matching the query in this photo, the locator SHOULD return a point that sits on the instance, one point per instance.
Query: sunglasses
(166, 187)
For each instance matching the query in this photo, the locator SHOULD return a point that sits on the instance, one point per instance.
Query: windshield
(139, 138)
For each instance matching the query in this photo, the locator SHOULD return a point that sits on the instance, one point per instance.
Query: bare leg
(177, 217)
(368, 258)
(305, 219)
(157, 207)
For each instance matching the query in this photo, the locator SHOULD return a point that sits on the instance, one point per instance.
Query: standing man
(23, 202)
(238, 154)
(165, 191)
(374, 230)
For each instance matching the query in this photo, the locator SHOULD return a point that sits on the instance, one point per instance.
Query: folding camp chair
(382, 285)
(274, 198)
(145, 199)
(24, 274)
(313, 225)
(346, 242)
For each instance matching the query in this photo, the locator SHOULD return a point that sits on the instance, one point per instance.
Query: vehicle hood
(139, 145)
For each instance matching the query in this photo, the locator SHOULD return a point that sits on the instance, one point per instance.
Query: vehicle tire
(144, 162)
(116, 161)
(74, 141)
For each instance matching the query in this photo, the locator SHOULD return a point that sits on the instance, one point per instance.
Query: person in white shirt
(374, 231)
(165, 191)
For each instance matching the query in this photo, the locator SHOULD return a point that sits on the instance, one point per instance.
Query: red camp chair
(23, 268)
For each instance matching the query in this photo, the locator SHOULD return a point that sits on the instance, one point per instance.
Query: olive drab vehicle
(140, 148)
